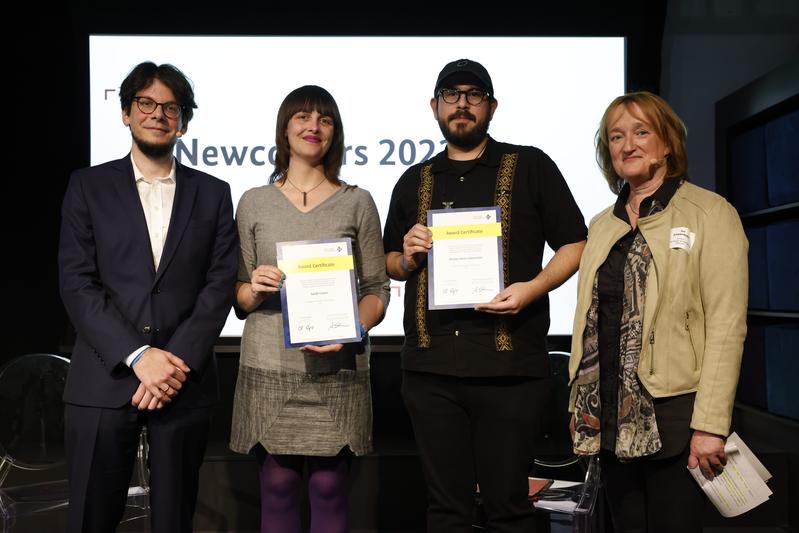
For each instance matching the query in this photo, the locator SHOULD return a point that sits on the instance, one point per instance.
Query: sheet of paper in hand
(742, 484)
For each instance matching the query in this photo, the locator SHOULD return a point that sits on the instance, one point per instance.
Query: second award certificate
(319, 294)
(465, 262)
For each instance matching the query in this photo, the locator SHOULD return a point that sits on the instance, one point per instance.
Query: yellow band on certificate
(316, 264)
(467, 231)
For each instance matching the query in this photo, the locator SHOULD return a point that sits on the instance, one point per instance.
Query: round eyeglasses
(147, 106)
(453, 96)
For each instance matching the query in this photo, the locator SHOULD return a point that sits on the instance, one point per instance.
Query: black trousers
(101, 448)
(652, 495)
(470, 431)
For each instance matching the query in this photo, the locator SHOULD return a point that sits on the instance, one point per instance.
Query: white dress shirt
(157, 195)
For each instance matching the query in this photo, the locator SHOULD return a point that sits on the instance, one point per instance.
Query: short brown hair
(144, 74)
(308, 98)
(668, 126)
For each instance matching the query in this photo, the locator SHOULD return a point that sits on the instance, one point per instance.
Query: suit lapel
(129, 201)
(185, 191)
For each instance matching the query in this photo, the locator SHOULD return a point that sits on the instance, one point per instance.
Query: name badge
(682, 238)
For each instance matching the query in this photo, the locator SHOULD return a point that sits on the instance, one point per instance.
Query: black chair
(32, 440)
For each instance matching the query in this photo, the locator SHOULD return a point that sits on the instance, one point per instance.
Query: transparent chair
(571, 502)
(32, 465)
(573, 497)
(574, 502)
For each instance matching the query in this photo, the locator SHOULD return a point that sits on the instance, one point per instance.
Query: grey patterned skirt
(297, 413)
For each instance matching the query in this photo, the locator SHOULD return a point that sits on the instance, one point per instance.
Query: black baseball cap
(463, 71)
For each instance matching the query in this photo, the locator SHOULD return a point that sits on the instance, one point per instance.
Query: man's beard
(463, 138)
(156, 151)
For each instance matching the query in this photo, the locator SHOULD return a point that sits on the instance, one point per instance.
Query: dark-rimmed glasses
(453, 96)
(147, 106)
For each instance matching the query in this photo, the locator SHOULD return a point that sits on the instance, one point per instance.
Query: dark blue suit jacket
(116, 299)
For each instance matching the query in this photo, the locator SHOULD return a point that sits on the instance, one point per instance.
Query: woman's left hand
(707, 452)
(327, 348)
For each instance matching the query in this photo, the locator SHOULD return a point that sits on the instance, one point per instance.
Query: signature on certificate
(481, 290)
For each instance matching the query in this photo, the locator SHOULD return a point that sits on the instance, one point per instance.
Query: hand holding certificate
(465, 263)
(319, 294)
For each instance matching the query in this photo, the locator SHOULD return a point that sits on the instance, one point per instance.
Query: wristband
(404, 265)
(138, 356)
(362, 330)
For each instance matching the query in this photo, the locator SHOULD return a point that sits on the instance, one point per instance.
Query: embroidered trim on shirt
(425, 198)
(502, 198)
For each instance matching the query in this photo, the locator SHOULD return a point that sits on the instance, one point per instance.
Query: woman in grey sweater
(313, 404)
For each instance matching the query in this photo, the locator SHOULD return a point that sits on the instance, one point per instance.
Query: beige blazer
(696, 300)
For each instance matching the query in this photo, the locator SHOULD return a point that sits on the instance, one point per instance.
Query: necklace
(633, 210)
(304, 193)
(448, 205)
(481, 151)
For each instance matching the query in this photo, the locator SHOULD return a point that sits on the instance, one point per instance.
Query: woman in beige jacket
(659, 325)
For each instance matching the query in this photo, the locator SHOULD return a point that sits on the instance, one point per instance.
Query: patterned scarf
(637, 434)
(586, 406)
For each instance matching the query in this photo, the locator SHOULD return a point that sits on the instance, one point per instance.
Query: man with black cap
(472, 377)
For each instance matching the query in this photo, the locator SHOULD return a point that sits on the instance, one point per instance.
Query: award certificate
(465, 262)
(319, 294)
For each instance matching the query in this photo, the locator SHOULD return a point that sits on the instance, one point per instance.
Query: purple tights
(281, 482)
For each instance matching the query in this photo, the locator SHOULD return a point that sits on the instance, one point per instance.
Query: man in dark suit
(147, 259)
